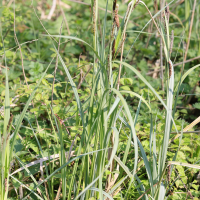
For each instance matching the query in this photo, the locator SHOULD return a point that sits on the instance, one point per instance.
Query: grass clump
(89, 141)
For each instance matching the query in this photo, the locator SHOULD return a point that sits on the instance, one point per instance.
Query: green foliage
(90, 120)
(35, 71)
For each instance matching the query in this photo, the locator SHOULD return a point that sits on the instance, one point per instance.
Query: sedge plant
(98, 118)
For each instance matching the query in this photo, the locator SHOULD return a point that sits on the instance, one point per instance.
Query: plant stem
(190, 31)
(162, 3)
(56, 66)
(120, 66)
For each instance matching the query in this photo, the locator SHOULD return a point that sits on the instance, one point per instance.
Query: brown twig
(4, 67)
(64, 5)
(186, 132)
(129, 10)
(21, 192)
(46, 190)
(114, 28)
(59, 190)
(190, 126)
(171, 42)
(10, 2)
(187, 61)
(53, 7)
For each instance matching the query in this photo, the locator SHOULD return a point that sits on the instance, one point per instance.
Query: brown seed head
(116, 16)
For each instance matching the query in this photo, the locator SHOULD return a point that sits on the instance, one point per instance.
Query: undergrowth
(76, 128)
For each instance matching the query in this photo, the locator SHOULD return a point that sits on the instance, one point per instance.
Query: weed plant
(99, 153)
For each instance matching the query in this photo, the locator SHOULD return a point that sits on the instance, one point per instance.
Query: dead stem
(59, 190)
(53, 7)
(21, 192)
(171, 42)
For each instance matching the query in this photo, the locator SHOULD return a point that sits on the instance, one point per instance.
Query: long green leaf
(148, 85)
(137, 95)
(132, 128)
(104, 193)
(26, 187)
(184, 164)
(168, 119)
(57, 170)
(185, 75)
(80, 40)
(114, 150)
